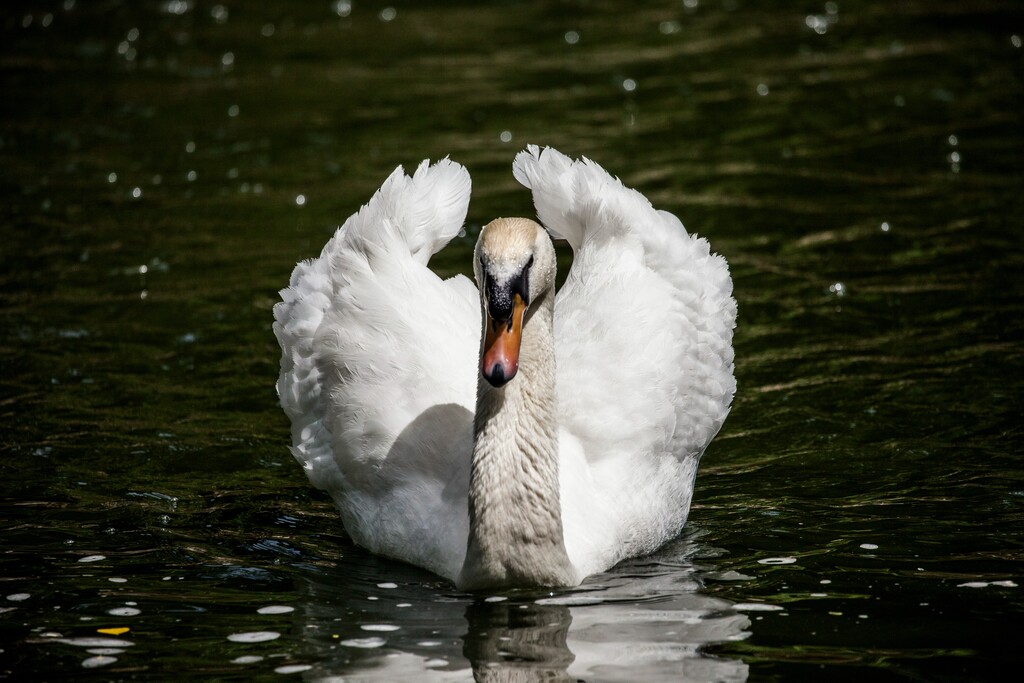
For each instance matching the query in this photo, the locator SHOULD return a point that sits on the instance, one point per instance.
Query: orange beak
(500, 359)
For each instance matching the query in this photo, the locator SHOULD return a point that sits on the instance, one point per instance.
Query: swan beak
(500, 360)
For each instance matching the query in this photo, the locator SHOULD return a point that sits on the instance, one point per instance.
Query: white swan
(542, 441)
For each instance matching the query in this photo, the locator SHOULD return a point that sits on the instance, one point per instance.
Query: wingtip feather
(421, 212)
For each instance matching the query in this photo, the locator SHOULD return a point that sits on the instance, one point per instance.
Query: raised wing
(378, 369)
(643, 323)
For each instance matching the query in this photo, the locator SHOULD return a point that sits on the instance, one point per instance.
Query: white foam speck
(96, 642)
(404, 604)
(869, 546)
(986, 584)
(363, 642)
(379, 627)
(292, 668)
(275, 609)
(756, 607)
(117, 579)
(387, 585)
(92, 558)
(98, 661)
(429, 643)
(777, 560)
(18, 597)
(124, 612)
(247, 659)
(496, 598)
(254, 636)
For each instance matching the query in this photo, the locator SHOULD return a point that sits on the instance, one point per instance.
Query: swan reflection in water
(645, 620)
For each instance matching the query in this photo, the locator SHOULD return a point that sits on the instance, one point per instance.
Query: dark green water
(164, 164)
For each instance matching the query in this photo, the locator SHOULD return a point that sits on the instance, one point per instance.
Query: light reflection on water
(164, 165)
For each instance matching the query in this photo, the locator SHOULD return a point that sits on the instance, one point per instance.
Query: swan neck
(515, 516)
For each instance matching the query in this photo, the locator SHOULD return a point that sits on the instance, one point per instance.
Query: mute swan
(503, 434)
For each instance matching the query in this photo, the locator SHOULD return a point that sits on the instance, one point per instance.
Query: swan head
(514, 264)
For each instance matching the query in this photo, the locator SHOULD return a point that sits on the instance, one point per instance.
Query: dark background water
(164, 164)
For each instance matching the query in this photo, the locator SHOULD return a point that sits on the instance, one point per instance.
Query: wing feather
(377, 369)
(644, 322)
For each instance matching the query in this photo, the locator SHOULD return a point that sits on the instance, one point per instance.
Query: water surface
(164, 164)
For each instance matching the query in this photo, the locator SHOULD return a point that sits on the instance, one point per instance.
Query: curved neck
(515, 518)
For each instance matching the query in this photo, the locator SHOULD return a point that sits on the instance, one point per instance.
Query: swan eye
(529, 263)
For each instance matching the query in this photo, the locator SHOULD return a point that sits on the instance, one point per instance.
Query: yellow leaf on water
(114, 631)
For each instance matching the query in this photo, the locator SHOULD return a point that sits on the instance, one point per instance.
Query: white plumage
(381, 362)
